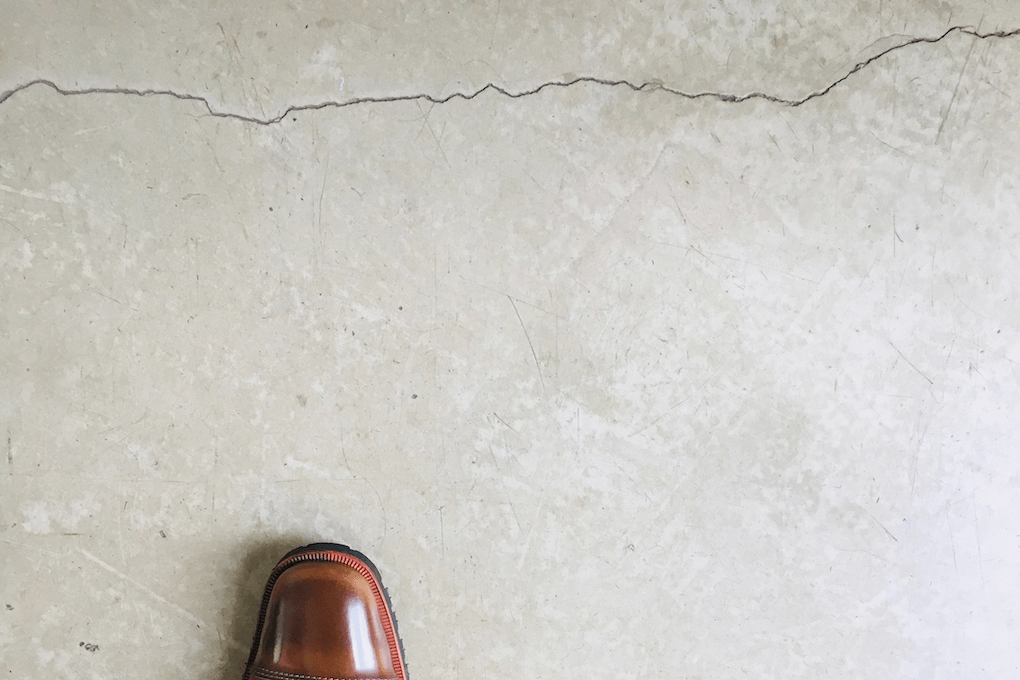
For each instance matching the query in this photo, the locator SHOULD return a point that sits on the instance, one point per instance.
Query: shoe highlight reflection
(361, 643)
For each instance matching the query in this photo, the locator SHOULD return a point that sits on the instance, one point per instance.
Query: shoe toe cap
(324, 620)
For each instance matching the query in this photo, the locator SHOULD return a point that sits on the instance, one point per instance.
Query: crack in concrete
(644, 87)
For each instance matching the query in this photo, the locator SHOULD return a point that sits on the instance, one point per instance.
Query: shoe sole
(334, 552)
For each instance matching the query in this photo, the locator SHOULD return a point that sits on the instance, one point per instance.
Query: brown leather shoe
(325, 616)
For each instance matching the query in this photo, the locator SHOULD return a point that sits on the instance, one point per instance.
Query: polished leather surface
(323, 621)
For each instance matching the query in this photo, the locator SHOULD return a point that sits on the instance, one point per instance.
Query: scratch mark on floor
(343, 450)
(538, 367)
(26, 546)
(435, 154)
(504, 422)
(956, 91)
(506, 492)
(930, 382)
(676, 406)
(442, 531)
(382, 510)
(318, 217)
(156, 596)
(977, 537)
(495, 22)
(31, 194)
(952, 542)
(531, 531)
(883, 528)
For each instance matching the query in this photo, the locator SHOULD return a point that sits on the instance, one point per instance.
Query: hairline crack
(650, 86)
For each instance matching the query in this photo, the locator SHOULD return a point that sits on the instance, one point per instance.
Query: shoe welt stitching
(270, 674)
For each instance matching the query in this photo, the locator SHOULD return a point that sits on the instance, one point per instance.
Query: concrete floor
(610, 380)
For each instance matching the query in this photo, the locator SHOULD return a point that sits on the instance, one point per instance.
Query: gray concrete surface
(611, 379)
